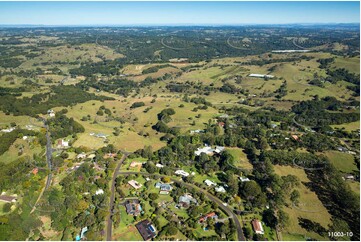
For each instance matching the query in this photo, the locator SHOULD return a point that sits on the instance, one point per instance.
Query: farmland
(212, 148)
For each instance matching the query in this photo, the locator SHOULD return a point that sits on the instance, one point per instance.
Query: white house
(220, 189)
(181, 172)
(51, 113)
(244, 179)
(209, 183)
(99, 191)
(159, 165)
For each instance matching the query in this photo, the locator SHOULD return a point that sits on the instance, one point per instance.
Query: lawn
(240, 158)
(310, 207)
(348, 126)
(342, 161)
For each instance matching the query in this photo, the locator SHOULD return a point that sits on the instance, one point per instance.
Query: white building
(208, 150)
(209, 183)
(181, 172)
(260, 76)
(220, 189)
(51, 113)
(244, 179)
(159, 165)
(290, 51)
(99, 191)
(81, 156)
(8, 130)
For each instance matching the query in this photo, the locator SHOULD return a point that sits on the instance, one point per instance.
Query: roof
(209, 215)
(187, 199)
(257, 226)
(7, 198)
(135, 184)
(209, 183)
(181, 172)
(260, 75)
(146, 229)
(133, 206)
(220, 189)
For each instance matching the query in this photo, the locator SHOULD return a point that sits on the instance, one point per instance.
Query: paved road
(112, 196)
(229, 211)
(49, 152)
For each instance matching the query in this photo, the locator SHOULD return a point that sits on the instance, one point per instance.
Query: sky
(176, 13)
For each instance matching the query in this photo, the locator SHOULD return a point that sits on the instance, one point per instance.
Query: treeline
(270, 61)
(154, 69)
(317, 112)
(40, 103)
(107, 67)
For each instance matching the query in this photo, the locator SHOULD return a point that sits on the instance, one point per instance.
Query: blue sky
(169, 13)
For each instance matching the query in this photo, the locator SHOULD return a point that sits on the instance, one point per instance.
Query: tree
(269, 218)
(7, 207)
(153, 196)
(295, 195)
(166, 179)
(283, 219)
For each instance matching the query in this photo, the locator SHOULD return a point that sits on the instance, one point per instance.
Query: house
(257, 226)
(220, 189)
(159, 165)
(221, 124)
(295, 137)
(99, 191)
(25, 137)
(135, 164)
(244, 179)
(51, 113)
(8, 199)
(219, 149)
(8, 130)
(212, 215)
(260, 76)
(181, 172)
(197, 131)
(63, 144)
(206, 149)
(81, 156)
(135, 184)
(164, 188)
(209, 183)
(35, 171)
(146, 230)
(133, 207)
(186, 200)
(349, 177)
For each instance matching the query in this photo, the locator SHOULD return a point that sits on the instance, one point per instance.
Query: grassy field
(240, 158)
(342, 161)
(351, 64)
(310, 207)
(348, 126)
(355, 186)
(28, 151)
